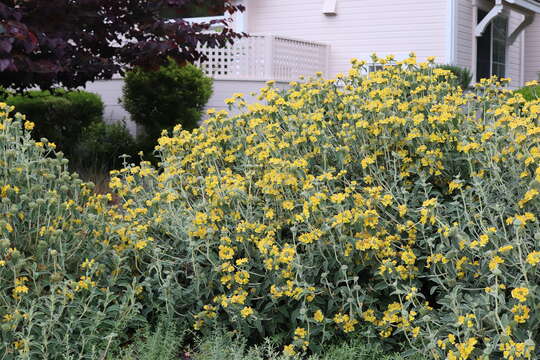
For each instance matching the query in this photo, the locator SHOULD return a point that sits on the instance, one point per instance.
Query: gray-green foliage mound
(67, 292)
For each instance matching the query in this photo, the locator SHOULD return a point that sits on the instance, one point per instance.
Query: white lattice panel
(265, 57)
(293, 58)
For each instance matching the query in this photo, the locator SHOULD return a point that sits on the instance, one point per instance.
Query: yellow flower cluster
(392, 202)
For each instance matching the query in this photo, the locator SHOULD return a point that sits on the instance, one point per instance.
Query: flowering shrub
(69, 284)
(394, 204)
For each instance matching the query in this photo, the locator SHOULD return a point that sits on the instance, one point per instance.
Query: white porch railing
(266, 57)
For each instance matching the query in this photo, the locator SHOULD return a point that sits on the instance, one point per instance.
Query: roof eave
(530, 5)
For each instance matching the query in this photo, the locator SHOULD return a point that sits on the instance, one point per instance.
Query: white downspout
(522, 63)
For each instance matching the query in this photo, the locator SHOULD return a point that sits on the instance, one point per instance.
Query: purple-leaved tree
(47, 43)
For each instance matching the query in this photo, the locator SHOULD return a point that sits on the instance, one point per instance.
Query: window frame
(504, 16)
(505, 19)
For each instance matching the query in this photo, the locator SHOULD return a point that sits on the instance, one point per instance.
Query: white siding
(466, 42)
(532, 50)
(359, 28)
(465, 34)
(223, 89)
(111, 93)
(514, 61)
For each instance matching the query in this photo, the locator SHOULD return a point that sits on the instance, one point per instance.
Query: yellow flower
(246, 311)
(520, 294)
(318, 316)
(241, 261)
(20, 289)
(269, 214)
(288, 350)
(533, 258)
(483, 239)
(241, 277)
(402, 210)
(494, 263)
(225, 252)
(141, 244)
(368, 160)
(87, 263)
(453, 186)
(521, 313)
(430, 202)
(28, 125)
(529, 195)
(408, 257)
(465, 349)
(288, 205)
(506, 248)
(300, 332)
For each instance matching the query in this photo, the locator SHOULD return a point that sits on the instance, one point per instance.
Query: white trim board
(451, 31)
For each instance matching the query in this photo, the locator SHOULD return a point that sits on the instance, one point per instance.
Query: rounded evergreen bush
(161, 99)
(59, 116)
(102, 145)
(463, 76)
(394, 206)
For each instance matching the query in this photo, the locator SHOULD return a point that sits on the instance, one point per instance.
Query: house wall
(111, 93)
(464, 34)
(514, 55)
(466, 43)
(532, 50)
(223, 89)
(359, 28)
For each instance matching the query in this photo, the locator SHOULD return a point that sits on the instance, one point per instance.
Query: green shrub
(463, 76)
(530, 93)
(59, 116)
(161, 99)
(70, 284)
(102, 145)
(394, 206)
(163, 343)
(358, 349)
(225, 346)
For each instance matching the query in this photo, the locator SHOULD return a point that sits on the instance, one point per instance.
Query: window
(491, 48)
(373, 67)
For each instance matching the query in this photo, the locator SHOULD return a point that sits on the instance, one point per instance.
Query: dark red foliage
(46, 43)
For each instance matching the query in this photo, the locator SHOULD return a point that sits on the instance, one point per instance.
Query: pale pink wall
(532, 50)
(464, 34)
(514, 56)
(360, 27)
(465, 42)
(224, 89)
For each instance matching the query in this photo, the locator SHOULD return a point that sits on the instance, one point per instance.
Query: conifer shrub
(394, 206)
